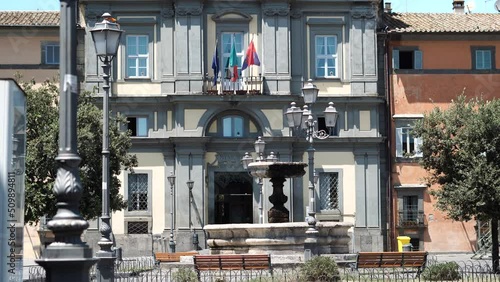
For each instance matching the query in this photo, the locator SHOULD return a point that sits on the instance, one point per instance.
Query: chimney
(388, 8)
(459, 6)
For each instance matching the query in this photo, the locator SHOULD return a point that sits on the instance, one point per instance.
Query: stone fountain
(279, 236)
(278, 172)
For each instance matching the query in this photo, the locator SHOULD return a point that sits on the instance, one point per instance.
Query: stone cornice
(363, 15)
(183, 11)
(276, 11)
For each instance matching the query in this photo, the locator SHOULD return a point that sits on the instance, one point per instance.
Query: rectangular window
(138, 126)
(138, 192)
(407, 146)
(229, 39)
(326, 56)
(51, 52)
(483, 59)
(410, 209)
(329, 191)
(407, 59)
(137, 47)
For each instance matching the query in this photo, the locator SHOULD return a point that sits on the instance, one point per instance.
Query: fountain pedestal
(278, 213)
(277, 172)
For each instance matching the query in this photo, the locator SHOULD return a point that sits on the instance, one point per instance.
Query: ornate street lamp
(303, 119)
(106, 36)
(260, 146)
(310, 92)
(67, 258)
(171, 180)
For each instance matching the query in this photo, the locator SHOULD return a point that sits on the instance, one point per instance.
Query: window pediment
(231, 16)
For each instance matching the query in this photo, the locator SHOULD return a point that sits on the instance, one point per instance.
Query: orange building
(30, 45)
(430, 60)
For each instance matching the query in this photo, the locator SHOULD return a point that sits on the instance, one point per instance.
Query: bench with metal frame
(391, 260)
(232, 262)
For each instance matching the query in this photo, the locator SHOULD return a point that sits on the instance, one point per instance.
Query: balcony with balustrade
(246, 85)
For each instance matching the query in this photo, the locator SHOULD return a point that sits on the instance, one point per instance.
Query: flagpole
(251, 69)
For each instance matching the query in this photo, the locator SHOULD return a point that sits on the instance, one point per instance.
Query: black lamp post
(67, 258)
(171, 242)
(260, 146)
(303, 120)
(106, 36)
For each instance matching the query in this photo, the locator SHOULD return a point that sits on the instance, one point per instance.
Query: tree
(461, 152)
(42, 148)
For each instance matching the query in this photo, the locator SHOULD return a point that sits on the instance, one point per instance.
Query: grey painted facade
(184, 128)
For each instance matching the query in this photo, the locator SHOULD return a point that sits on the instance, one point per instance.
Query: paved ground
(442, 257)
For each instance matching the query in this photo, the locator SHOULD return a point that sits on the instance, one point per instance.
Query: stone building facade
(162, 81)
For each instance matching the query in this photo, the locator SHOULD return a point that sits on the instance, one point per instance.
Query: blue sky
(435, 6)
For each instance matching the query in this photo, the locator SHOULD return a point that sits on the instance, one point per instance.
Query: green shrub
(442, 271)
(185, 275)
(320, 268)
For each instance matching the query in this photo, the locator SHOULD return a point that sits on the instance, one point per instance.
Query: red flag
(251, 57)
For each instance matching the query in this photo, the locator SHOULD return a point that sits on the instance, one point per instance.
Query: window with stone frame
(138, 194)
(137, 49)
(326, 56)
(325, 47)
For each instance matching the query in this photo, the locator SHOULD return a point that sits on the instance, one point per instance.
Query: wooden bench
(232, 262)
(172, 257)
(391, 260)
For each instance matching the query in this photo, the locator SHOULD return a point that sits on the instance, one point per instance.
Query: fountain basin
(276, 238)
(277, 169)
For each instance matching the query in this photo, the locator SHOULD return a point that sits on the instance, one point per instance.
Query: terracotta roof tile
(441, 22)
(34, 18)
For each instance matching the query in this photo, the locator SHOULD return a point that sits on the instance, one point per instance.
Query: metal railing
(411, 218)
(246, 85)
(144, 269)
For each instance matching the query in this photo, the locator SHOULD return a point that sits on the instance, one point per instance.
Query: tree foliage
(42, 148)
(461, 152)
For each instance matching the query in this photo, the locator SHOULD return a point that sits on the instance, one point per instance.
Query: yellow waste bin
(402, 240)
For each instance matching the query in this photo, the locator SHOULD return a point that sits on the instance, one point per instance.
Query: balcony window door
(228, 40)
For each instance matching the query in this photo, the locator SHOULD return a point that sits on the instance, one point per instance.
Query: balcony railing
(411, 218)
(246, 85)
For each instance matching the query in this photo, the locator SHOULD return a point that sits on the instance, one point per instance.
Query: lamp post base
(105, 266)
(67, 263)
